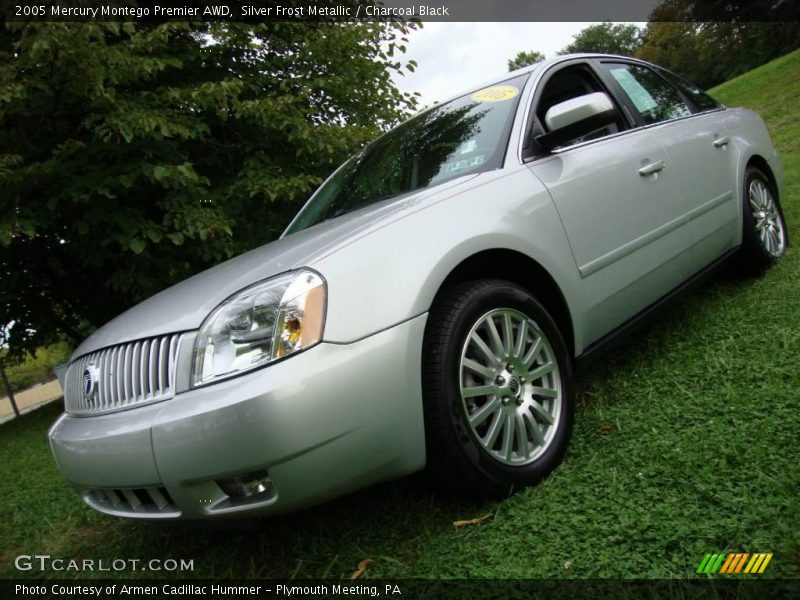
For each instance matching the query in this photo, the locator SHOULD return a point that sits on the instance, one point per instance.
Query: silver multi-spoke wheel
(768, 223)
(510, 386)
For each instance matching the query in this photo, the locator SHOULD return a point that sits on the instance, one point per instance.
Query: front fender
(394, 273)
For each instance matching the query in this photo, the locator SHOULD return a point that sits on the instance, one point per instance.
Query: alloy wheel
(510, 386)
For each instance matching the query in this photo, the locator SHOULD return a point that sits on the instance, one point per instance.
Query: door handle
(652, 168)
(722, 142)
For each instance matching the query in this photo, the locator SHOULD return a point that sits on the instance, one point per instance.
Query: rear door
(620, 205)
(688, 124)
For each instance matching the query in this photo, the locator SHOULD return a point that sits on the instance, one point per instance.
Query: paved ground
(30, 399)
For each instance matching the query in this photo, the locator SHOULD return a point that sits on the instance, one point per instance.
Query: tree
(134, 155)
(523, 59)
(608, 38)
(711, 41)
(674, 45)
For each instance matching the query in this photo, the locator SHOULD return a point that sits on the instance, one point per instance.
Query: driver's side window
(568, 83)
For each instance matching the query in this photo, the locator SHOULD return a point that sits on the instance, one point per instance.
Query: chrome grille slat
(108, 376)
(130, 362)
(137, 372)
(68, 382)
(68, 386)
(173, 355)
(102, 393)
(142, 371)
(161, 350)
(132, 373)
(108, 388)
(127, 388)
(107, 366)
(110, 381)
(72, 385)
(152, 368)
(119, 373)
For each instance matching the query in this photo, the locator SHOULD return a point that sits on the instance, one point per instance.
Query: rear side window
(651, 95)
(701, 100)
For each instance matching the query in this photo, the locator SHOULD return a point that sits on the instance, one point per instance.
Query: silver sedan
(427, 304)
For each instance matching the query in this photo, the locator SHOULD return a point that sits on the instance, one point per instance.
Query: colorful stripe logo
(735, 562)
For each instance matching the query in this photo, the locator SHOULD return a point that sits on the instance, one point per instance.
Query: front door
(625, 220)
(619, 201)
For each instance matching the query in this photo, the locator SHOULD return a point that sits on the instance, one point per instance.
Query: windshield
(464, 136)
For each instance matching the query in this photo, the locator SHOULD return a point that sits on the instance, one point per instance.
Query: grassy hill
(685, 443)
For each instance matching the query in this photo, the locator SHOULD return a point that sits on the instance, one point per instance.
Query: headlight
(260, 324)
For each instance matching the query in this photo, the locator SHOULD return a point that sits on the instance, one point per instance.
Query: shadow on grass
(305, 544)
(656, 338)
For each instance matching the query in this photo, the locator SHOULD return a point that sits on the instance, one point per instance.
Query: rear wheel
(764, 238)
(497, 386)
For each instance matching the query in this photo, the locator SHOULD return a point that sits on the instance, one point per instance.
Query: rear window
(700, 99)
(654, 97)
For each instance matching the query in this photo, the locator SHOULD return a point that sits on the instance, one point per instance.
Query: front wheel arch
(524, 271)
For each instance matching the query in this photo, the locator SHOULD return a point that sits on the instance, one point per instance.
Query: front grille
(132, 500)
(122, 376)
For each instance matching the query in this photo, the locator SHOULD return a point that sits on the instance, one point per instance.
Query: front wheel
(497, 386)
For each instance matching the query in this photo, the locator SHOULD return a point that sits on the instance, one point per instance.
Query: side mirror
(576, 117)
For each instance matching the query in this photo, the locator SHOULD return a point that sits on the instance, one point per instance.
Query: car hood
(184, 306)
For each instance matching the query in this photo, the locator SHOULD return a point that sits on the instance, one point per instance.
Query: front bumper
(333, 419)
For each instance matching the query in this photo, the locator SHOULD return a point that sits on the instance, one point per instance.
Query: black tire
(754, 258)
(456, 459)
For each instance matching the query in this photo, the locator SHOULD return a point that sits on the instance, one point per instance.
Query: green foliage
(684, 36)
(134, 155)
(607, 38)
(523, 59)
(36, 367)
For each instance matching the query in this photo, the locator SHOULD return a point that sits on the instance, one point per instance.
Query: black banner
(483, 589)
(403, 10)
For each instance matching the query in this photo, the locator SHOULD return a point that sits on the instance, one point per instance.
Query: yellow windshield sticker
(496, 93)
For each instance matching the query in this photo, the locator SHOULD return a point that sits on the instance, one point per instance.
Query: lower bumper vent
(155, 500)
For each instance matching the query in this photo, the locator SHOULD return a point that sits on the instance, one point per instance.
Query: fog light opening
(248, 486)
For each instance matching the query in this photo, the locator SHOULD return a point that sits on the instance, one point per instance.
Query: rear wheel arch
(758, 161)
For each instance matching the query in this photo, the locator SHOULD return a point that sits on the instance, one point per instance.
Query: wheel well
(760, 162)
(524, 271)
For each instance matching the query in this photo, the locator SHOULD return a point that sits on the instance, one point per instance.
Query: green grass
(686, 442)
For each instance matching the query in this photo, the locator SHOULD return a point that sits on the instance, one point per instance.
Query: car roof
(563, 58)
(548, 62)
(544, 64)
